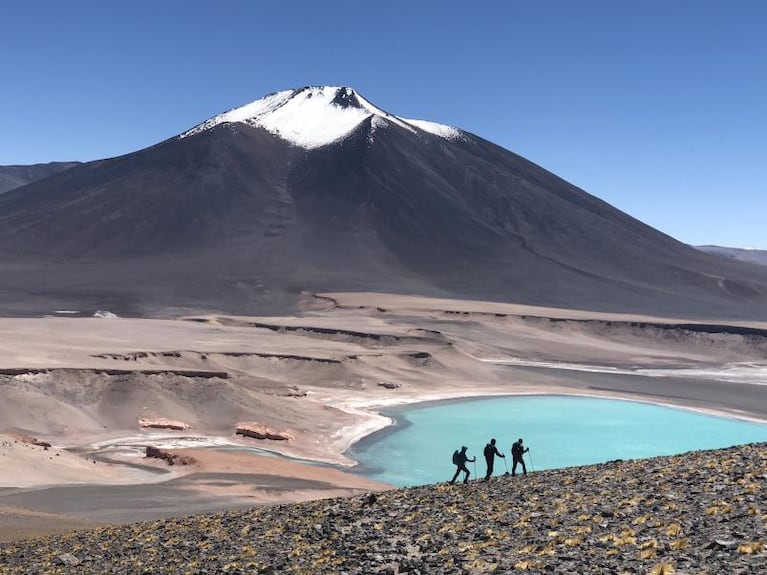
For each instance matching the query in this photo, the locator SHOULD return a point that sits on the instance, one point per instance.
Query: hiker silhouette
(459, 459)
(517, 449)
(490, 452)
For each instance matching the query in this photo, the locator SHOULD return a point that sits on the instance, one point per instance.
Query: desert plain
(261, 410)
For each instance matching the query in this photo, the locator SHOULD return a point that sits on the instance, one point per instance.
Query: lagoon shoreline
(332, 379)
(561, 430)
(393, 410)
(35, 510)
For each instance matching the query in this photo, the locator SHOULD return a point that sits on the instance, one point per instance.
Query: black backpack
(456, 457)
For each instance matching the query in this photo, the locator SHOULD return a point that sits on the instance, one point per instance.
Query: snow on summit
(316, 116)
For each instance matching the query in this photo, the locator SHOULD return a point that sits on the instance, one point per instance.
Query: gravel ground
(701, 512)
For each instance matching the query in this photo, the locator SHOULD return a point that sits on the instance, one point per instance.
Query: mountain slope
(317, 189)
(699, 512)
(12, 177)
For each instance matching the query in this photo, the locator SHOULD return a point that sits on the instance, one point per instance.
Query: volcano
(317, 189)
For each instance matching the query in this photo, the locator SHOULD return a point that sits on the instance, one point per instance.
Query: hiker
(490, 452)
(459, 459)
(516, 452)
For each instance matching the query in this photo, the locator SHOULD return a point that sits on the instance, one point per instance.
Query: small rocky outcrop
(168, 457)
(260, 431)
(388, 385)
(162, 423)
(293, 391)
(30, 440)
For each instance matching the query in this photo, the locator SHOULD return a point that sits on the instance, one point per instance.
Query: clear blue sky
(658, 107)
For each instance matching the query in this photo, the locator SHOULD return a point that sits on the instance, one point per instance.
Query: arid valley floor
(100, 390)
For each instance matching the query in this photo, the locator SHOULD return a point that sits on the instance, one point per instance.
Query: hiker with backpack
(459, 460)
(490, 452)
(517, 450)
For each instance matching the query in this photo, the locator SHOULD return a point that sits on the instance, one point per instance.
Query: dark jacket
(460, 458)
(491, 451)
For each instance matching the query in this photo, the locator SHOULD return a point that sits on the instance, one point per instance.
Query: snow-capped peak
(315, 116)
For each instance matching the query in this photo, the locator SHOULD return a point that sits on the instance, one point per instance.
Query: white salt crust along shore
(365, 411)
(372, 421)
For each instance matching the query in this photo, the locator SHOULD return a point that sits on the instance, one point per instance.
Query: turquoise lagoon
(561, 431)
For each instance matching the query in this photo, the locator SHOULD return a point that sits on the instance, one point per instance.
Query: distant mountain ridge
(12, 177)
(749, 255)
(317, 189)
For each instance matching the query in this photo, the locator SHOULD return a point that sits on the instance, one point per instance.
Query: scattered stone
(723, 544)
(69, 560)
(606, 512)
(370, 500)
(388, 385)
(293, 391)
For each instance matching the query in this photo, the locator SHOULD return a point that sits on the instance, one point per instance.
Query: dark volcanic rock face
(236, 218)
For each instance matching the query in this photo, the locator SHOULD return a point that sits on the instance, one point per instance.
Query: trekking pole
(474, 463)
(530, 455)
(505, 465)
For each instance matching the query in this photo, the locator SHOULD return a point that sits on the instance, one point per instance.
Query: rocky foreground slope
(702, 512)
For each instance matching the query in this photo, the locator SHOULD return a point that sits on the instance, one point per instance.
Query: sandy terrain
(84, 384)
